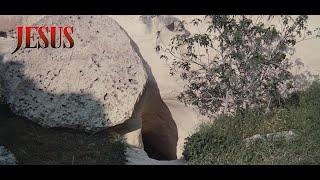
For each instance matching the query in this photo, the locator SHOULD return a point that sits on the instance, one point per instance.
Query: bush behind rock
(222, 142)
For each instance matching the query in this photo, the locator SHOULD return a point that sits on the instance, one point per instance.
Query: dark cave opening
(151, 150)
(159, 136)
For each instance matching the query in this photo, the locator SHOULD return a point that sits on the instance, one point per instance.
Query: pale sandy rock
(6, 157)
(10, 22)
(102, 82)
(94, 85)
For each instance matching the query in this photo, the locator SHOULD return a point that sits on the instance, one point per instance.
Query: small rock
(283, 135)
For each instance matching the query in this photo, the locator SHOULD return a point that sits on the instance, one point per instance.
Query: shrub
(222, 141)
(238, 62)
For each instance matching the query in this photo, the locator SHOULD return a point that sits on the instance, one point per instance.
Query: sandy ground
(32, 144)
(139, 157)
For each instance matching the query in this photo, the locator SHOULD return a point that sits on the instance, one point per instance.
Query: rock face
(9, 22)
(94, 85)
(102, 82)
(6, 157)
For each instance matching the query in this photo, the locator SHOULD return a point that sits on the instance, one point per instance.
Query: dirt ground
(36, 145)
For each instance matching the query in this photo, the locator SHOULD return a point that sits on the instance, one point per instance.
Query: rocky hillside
(113, 81)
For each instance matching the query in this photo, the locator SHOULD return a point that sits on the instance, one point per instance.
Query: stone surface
(6, 157)
(103, 82)
(94, 85)
(277, 136)
(10, 22)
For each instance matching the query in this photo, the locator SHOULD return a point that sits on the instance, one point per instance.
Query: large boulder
(96, 84)
(101, 83)
(10, 22)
